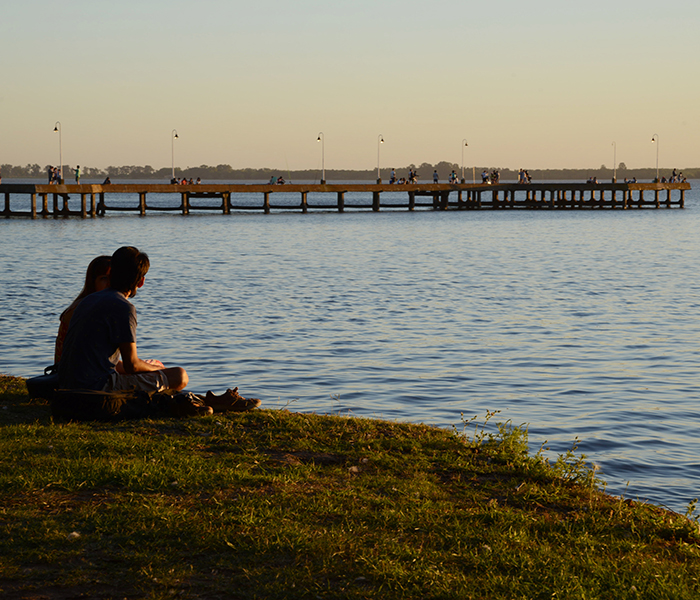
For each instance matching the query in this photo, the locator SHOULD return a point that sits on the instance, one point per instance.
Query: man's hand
(133, 364)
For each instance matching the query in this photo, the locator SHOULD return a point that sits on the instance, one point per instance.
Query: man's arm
(131, 362)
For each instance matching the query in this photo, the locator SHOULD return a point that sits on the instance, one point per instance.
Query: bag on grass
(44, 386)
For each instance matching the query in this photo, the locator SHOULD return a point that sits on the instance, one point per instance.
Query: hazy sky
(539, 84)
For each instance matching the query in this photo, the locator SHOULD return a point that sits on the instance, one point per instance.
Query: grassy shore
(275, 504)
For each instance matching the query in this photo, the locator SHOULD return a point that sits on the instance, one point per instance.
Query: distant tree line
(425, 171)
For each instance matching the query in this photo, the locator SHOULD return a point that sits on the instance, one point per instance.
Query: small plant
(572, 467)
(289, 403)
(480, 432)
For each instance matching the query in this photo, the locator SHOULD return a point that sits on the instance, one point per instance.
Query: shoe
(231, 401)
(187, 404)
(244, 404)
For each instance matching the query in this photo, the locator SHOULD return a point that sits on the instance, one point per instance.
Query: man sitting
(103, 327)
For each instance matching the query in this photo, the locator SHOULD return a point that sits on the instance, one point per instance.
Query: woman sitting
(96, 280)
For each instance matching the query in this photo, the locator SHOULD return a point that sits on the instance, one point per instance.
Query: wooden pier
(98, 200)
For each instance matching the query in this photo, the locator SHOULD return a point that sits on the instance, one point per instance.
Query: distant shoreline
(222, 173)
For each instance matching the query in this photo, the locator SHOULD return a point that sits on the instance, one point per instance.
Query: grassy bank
(274, 504)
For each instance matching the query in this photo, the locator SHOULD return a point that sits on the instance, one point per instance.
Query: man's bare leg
(177, 378)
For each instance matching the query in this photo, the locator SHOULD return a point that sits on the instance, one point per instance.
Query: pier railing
(97, 200)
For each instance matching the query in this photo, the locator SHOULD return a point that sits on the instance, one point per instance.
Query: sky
(539, 84)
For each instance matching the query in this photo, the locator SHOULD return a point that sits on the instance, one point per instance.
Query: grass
(275, 504)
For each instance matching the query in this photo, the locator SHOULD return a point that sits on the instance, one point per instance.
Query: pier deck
(95, 199)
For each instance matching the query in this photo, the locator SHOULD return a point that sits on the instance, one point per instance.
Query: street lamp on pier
(464, 144)
(380, 141)
(614, 145)
(655, 139)
(57, 128)
(322, 138)
(173, 137)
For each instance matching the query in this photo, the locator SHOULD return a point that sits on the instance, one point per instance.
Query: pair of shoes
(231, 401)
(187, 404)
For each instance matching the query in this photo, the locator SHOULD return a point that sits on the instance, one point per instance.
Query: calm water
(580, 324)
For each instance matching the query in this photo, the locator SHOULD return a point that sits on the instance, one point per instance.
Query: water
(578, 323)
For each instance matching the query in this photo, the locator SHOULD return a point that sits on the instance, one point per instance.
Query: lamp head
(55, 128)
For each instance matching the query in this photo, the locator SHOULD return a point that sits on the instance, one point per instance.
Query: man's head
(128, 268)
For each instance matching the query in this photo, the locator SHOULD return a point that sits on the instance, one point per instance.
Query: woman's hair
(98, 267)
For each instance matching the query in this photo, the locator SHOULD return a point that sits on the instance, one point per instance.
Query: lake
(580, 324)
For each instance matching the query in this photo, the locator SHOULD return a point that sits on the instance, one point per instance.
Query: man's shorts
(153, 381)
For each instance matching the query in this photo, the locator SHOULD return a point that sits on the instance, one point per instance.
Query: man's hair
(128, 267)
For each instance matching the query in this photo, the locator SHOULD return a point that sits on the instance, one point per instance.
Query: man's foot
(230, 401)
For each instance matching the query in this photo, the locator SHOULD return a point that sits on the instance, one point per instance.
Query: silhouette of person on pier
(54, 174)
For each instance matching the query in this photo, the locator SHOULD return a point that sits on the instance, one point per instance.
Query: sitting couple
(100, 326)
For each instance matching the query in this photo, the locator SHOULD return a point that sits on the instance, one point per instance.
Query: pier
(91, 200)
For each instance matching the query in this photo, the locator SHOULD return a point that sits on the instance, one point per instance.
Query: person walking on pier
(77, 174)
(435, 176)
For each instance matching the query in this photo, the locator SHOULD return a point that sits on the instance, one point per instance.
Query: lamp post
(380, 141)
(57, 127)
(655, 139)
(614, 145)
(173, 137)
(464, 144)
(321, 138)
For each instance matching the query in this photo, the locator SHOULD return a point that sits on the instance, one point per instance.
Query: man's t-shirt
(102, 322)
